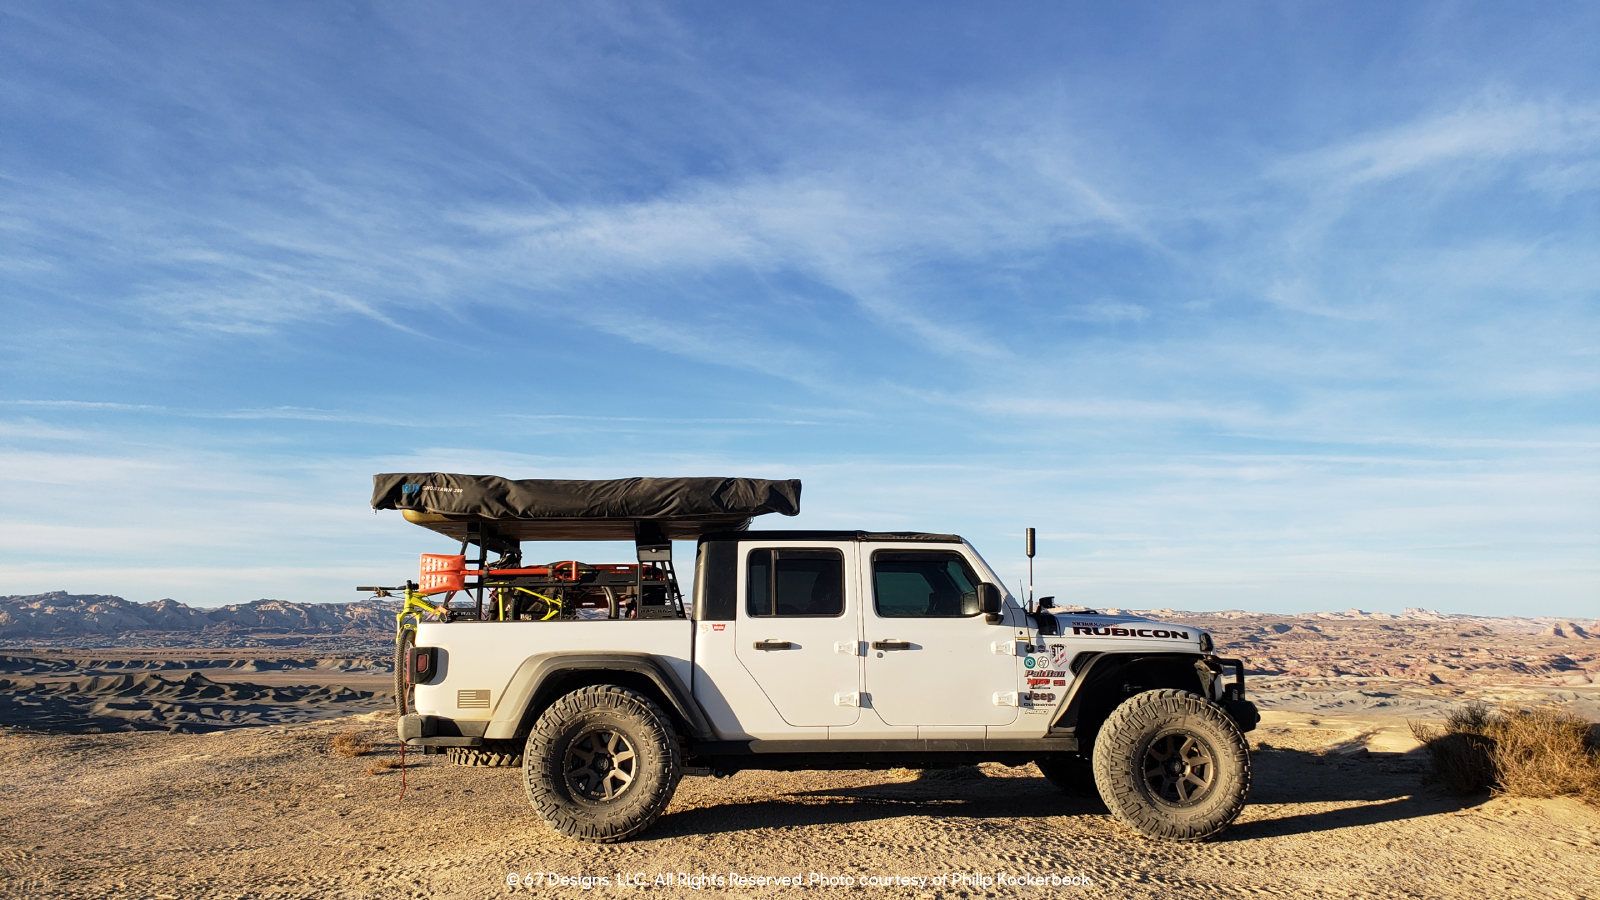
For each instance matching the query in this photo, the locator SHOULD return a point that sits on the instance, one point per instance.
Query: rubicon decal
(1102, 631)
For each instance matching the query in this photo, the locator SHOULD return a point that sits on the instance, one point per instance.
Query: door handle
(774, 645)
(891, 645)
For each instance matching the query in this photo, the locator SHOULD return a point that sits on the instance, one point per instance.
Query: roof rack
(497, 514)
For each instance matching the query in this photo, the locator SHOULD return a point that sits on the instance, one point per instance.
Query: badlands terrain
(189, 753)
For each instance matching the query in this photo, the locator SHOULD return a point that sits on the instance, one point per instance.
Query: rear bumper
(437, 731)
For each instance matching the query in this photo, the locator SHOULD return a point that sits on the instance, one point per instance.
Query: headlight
(1205, 642)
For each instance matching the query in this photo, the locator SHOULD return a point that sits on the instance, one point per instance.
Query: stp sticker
(718, 626)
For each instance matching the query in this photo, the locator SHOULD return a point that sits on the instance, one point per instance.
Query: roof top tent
(496, 515)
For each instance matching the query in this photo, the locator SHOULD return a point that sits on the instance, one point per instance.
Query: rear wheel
(1172, 766)
(404, 691)
(601, 764)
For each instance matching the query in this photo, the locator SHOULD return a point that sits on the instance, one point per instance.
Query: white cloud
(1490, 131)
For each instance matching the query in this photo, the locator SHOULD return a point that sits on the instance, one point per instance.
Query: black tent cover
(548, 509)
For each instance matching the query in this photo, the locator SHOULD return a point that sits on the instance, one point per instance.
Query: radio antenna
(1028, 542)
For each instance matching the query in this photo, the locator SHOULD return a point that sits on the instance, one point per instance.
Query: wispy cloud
(1222, 347)
(1491, 131)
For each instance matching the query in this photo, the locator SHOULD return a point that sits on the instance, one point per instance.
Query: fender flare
(1064, 719)
(536, 671)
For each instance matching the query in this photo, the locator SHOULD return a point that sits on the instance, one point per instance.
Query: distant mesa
(59, 614)
(1566, 630)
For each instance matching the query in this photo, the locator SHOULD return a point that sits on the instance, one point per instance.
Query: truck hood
(1099, 625)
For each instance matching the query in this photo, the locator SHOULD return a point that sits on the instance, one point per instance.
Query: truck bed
(480, 658)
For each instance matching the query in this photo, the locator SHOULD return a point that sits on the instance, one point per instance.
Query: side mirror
(989, 602)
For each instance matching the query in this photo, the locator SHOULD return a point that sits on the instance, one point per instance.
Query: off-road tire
(404, 696)
(1172, 766)
(491, 753)
(590, 720)
(1075, 777)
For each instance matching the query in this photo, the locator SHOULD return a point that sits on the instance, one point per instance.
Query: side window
(923, 584)
(795, 583)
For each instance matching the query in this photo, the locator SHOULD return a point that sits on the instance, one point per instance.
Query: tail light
(422, 664)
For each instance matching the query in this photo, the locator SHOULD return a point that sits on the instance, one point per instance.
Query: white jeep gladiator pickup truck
(795, 650)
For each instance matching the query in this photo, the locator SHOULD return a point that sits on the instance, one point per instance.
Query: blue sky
(1265, 306)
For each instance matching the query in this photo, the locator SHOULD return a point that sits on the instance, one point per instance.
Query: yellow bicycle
(416, 608)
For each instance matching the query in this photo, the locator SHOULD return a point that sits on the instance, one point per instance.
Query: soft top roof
(856, 536)
(550, 509)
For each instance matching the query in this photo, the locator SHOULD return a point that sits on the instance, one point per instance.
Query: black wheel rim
(1180, 768)
(601, 764)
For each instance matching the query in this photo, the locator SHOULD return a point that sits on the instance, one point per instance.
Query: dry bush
(1539, 752)
(351, 743)
(379, 766)
(953, 773)
(949, 773)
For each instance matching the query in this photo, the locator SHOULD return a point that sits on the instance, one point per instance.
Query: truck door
(798, 630)
(930, 652)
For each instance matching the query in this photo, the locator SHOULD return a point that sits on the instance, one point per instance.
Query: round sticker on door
(1028, 663)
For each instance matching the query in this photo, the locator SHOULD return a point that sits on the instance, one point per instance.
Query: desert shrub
(948, 773)
(351, 743)
(952, 773)
(1540, 752)
(379, 766)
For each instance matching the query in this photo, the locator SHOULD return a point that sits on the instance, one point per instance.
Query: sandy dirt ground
(198, 773)
(270, 812)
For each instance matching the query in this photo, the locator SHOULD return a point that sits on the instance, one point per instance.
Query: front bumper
(1242, 711)
(417, 730)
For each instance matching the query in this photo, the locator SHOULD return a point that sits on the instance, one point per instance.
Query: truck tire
(404, 692)
(601, 764)
(1074, 777)
(1172, 766)
(492, 753)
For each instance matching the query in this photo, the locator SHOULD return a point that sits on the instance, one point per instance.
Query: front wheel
(601, 764)
(1172, 766)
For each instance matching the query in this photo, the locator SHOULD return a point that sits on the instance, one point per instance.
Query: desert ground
(210, 773)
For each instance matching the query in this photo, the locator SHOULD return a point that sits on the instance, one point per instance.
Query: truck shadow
(1378, 789)
(1371, 791)
(979, 798)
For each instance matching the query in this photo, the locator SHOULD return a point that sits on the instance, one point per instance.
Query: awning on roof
(570, 510)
